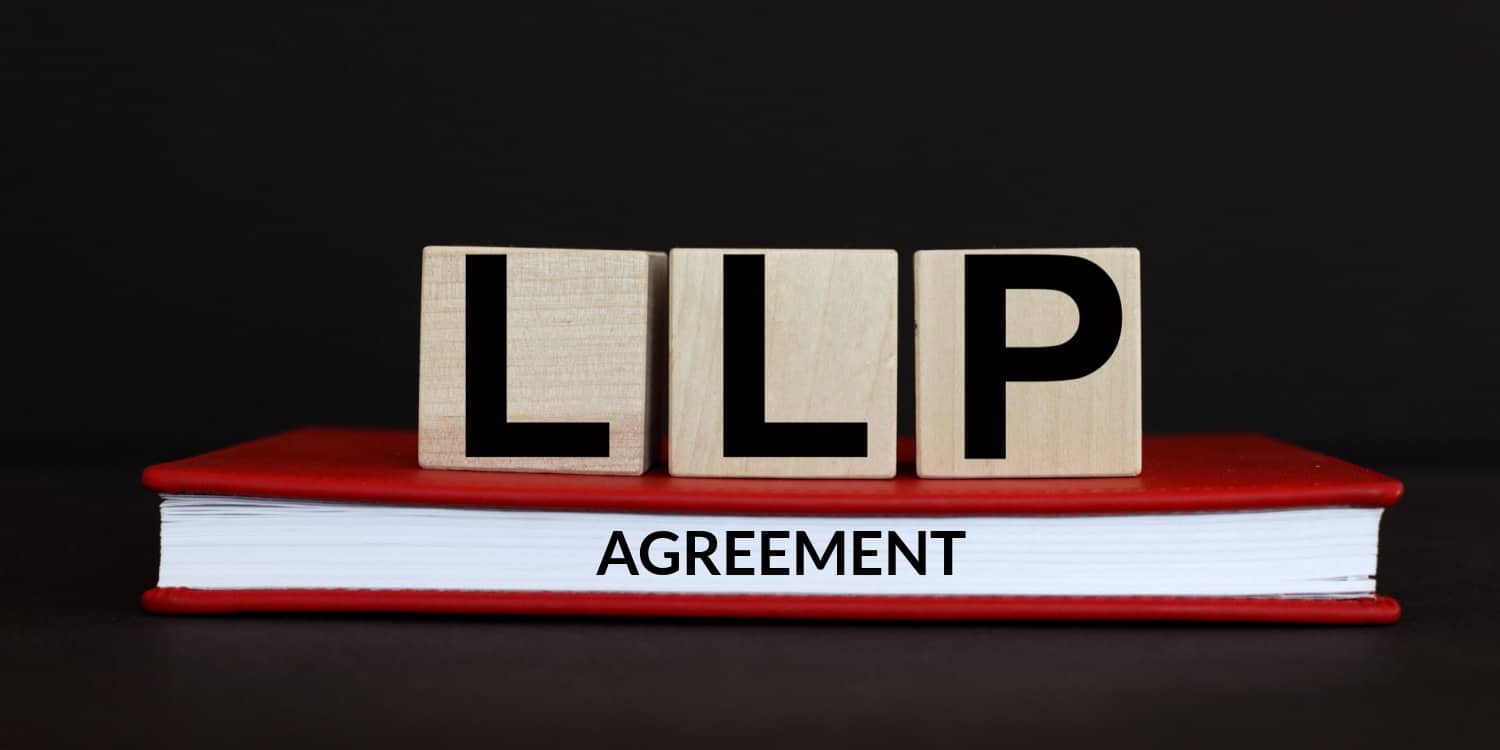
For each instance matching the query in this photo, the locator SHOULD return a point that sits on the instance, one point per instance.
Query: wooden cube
(541, 360)
(783, 363)
(1028, 363)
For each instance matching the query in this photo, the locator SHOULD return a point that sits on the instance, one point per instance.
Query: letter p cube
(1028, 363)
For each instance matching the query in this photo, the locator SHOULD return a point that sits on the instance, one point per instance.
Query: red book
(1216, 527)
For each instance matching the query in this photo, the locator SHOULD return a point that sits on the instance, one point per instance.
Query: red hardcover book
(1216, 527)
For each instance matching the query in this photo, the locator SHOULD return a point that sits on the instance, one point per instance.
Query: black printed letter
(611, 557)
(948, 537)
(671, 566)
(489, 433)
(746, 431)
(989, 364)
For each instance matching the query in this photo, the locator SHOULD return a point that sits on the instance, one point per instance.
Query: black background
(213, 216)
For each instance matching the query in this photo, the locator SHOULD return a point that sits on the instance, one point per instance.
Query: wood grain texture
(585, 343)
(830, 356)
(1090, 426)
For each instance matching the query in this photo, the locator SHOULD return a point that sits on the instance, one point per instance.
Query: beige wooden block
(786, 367)
(541, 360)
(1072, 406)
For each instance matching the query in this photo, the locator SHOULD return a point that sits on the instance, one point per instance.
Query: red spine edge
(1377, 610)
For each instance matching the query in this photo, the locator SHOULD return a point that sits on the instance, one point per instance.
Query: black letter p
(989, 364)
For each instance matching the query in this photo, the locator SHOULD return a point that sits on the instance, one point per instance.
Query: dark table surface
(84, 666)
